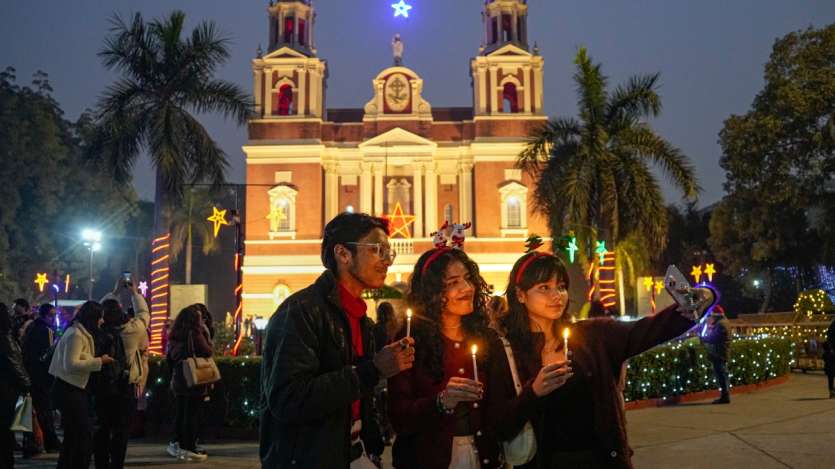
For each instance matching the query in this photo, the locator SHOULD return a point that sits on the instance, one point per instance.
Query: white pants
(464, 455)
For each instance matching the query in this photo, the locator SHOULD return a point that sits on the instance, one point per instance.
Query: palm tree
(188, 220)
(594, 173)
(166, 80)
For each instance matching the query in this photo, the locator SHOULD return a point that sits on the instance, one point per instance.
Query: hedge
(672, 369)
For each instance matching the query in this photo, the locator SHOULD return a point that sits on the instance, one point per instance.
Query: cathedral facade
(398, 156)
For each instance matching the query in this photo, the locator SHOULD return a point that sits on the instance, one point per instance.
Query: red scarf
(354, 309)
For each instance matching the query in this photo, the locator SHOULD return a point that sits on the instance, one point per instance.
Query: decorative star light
(41, 280)
(659, 285)
(710, 270)
(400, 222)
(218, 218)
(275, 216)
(143, 287)
(401, 9)
(648, 283)
(572, 248)
(601, 251)
(696, 273)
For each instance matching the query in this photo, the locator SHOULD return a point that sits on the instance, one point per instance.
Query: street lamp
(92, 240)
(260, 325)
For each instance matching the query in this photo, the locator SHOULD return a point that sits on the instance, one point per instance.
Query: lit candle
(565, 334)
(409, 322)
(475, 365)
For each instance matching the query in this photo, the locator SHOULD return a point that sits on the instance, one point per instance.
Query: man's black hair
(22, 303)
(44, 309)
(347, 228)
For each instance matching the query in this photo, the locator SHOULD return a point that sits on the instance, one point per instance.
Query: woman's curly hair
(426, 297)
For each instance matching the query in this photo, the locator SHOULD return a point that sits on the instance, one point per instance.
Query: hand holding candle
(409, 322)
(475, 364)
(565, 334)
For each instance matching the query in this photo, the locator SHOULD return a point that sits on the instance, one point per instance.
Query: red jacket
(602, 345)
(424, 435)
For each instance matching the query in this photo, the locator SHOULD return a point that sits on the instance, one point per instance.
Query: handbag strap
(512, 363)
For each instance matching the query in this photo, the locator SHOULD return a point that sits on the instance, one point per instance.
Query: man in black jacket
(37, 340)
(717, 343)
(319, 365)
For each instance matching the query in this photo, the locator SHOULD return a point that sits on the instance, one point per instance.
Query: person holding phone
(572, 402)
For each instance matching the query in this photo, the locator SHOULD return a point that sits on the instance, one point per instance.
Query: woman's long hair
(207, 318)
(89, 315)
(187, 321)
(426, 297)
(516, 323)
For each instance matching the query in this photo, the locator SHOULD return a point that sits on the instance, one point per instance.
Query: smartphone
(126, 277)
(679, 288)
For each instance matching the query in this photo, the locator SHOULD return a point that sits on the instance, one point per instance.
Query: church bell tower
(289, 79)
(507, 77)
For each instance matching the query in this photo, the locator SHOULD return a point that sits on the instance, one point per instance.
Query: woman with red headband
(437, 407)
(565, 411)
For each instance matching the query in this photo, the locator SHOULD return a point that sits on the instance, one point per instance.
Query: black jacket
(14, 380)
(36, 344)
(718, 339)
(310, 377)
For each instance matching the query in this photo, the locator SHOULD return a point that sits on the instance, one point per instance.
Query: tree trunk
(767, 292)
(620, 290)
(188, 255)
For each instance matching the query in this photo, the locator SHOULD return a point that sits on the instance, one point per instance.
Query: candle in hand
(409, 322)
(475, 365)
(565, 334)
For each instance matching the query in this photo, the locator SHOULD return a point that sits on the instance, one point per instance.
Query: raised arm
(627, 339)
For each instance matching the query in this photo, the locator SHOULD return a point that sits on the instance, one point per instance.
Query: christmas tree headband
(533, 243)
(440, 238)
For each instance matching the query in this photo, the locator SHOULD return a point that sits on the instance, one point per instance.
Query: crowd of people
(473, 381)
(93, 373)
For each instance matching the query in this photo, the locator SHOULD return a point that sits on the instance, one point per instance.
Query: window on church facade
(494, 30)
(448, 213)
(507, 27)
(289, 26)
(302, 31)
(399, 190)
(284, 222)
(510, 98)
(514, 213)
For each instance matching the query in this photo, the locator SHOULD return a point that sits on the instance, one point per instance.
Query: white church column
(378, 190)
(331, 191)
(365, 188)
(431, 197)
(465, 192)
(417, 200)
(526, 72)
(268, 92)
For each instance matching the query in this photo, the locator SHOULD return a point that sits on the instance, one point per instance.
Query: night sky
(710, 54)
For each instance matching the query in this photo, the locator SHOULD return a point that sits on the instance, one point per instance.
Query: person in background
(717, 340)
(496, 311)
(387, 324)
(189, 337)
(14, 382)
(38, 339)
(72, 363)
(829, 359)
(22, 315)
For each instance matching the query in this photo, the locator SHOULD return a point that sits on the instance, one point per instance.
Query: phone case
(679, 288)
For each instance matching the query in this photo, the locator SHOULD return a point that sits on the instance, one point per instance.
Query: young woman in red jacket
(573, 406)
(437, 408)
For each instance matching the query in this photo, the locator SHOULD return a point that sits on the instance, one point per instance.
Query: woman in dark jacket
(575, 413)
(436, 407)
(189, 337)
(13, 382)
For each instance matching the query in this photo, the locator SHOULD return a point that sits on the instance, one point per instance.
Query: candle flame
(565, 333)
(474, 348)
(409, 313)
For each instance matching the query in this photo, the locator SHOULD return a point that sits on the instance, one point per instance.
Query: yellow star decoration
(400, 222)
(41, 280)
(218, 218)
(659, 285)
(275, 216)
(696, 273)
(709, 271)
(648, 283)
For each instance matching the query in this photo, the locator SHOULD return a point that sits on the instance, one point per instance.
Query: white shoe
(187, 455)
(173, 449)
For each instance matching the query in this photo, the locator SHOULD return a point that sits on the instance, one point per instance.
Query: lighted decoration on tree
(41, 280)
(710, 270)
(572, 249)
(218, 218)
(399, 222)
(143, 288)
(696, 273)
(401, 9)
(601, 251)
(813, 302)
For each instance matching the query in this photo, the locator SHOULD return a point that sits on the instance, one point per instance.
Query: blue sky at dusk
(710, 54)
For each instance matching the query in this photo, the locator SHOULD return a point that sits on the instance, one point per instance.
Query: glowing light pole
(92, 240)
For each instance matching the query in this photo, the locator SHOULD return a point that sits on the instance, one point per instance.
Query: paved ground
(791, 425)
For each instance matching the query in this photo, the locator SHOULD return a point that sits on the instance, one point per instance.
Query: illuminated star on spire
(218, 218)
(401, 9)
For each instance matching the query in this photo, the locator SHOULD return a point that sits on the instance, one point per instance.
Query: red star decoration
(399, 222)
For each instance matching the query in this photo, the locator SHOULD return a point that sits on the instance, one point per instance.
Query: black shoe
(723, 400)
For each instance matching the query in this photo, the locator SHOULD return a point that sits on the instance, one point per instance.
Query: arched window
(289, 24)
(507, 27)
(282, 214)
(302, 32)
(510, 100)
(514, 212)
(283, 206)
(283, 104)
